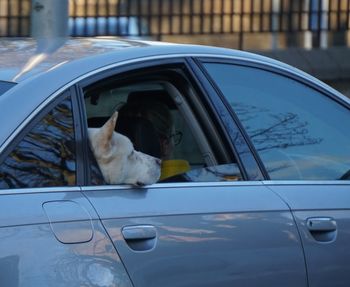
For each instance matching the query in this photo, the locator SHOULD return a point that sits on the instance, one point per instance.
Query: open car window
(175, 132)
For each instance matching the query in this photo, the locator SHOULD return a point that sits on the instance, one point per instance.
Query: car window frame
(137, 67)
(253, 170)
(49, 106)
(292, 73)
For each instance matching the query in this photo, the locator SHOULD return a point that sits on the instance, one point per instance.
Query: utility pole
(49, 19)
(275, 23)
(49, 27)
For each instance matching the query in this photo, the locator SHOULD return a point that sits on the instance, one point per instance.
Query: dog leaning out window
(159, 135)
(117, 159)
(146, 120)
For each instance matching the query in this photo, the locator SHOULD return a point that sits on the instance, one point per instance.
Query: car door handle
(322, 229)
(321, 224)
(143, 232)
(141, 237)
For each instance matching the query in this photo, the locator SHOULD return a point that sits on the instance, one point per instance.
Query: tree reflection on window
(298, 132)
(46, 155)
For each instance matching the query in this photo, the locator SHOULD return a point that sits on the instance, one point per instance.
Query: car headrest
(141, 133)
(97, 122)
(151, 96)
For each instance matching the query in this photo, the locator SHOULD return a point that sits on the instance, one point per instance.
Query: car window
(4, 86)
(45, 156)
(166, 124)
(298, 132)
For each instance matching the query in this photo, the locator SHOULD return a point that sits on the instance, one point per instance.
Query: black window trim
(84, 135)
(251, 148)
(249, 173)
(78, 130)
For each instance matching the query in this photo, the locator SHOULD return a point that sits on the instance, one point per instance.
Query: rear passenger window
(45, 156)
(163, 118)
(299, 133)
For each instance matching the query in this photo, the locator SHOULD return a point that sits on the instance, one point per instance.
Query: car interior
(153, 109)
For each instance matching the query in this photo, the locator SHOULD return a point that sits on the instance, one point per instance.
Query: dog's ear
(106, 131)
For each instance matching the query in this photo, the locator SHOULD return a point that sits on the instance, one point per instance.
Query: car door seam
(108, 235)
(297, 228)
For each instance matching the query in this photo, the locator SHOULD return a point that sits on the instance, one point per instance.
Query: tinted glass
(46, 155)
(298, 132)
(4, 86)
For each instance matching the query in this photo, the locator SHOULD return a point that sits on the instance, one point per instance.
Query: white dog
(117, 159)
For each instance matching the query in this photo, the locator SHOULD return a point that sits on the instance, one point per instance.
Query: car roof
(24, 58)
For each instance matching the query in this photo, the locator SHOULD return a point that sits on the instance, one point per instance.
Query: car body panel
(204, 235)
(29, 205)
(326, 246)
(70, 248)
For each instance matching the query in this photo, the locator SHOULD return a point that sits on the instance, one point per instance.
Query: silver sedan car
(255, 182)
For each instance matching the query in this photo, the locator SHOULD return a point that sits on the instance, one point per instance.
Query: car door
(204, 226)
(301, 133)
(50, 234)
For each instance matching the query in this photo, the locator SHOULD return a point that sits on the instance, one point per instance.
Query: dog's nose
(158, 161)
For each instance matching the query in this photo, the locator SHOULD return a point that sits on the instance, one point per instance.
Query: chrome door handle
(322, 229)
(142, 232)
(140, 237)
(321, 224)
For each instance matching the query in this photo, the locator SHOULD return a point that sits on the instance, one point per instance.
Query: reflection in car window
(298, 132)
(46, 155)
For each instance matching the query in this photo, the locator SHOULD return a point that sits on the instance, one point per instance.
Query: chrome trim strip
(173, 185)
(125, 187)
(40, 190)
(305, 182)
(18, 191)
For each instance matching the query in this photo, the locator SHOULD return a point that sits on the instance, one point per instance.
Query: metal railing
(15, 18)
(157, 19)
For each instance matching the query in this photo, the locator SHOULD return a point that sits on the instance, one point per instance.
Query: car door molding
(174, 185)
(305, 182)
(59, 189)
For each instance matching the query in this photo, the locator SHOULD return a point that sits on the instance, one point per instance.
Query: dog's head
(117, 159)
